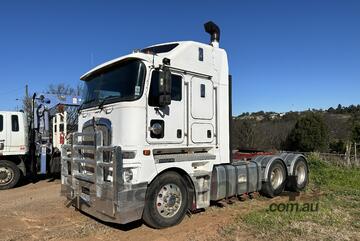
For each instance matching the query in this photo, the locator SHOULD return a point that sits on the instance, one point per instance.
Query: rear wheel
(276, 179)
(300, 176)
(9, 174)
(166, 201)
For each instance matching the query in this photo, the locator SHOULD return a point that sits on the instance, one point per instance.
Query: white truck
(13, 147)
(25, 153)
(153, 138)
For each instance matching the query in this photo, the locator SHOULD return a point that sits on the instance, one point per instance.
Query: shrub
(309, 134)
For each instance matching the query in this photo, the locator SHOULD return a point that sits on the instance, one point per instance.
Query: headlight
(128, 154)
(128, 175)
(156, 128)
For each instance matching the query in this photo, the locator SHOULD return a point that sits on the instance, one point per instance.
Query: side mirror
(164, 86)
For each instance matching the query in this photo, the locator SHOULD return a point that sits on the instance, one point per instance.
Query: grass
(336, 190)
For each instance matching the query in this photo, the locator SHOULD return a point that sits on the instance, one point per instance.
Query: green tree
(339, 109)
(243, 134)
(309, 134)
(338, 146)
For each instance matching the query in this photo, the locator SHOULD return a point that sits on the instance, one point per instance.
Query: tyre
(276, 179)
(300, 176)
(166, 201)
(9, 174)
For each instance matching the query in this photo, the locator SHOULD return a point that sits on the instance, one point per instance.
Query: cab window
(1, 123)
(14, 123)
(176, 88)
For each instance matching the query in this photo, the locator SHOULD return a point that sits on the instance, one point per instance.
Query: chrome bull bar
(91, 188)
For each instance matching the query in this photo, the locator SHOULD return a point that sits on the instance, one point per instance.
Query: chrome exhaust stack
(214, 31)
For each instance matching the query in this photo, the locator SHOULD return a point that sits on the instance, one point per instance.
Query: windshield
(121, 82)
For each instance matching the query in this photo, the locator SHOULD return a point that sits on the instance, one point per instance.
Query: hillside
(269, 130)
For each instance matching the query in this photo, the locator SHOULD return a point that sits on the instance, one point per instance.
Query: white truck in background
(13, 147)
(26, 152)
(153, 138)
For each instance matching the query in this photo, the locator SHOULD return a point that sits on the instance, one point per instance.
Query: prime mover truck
(153, 138)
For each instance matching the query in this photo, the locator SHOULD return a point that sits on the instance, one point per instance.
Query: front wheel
(166, 201)
(9, 174)
(276, 179)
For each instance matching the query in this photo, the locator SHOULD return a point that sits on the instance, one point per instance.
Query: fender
(18, 160)
(189, 179)
(290, 160)
(265, 163)
(22, 167)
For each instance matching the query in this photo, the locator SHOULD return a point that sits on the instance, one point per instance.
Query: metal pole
(65, 126)
(32, 141)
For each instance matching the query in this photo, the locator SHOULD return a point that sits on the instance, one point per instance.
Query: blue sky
(283, 54)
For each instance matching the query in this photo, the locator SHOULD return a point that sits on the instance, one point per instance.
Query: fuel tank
(235, 179)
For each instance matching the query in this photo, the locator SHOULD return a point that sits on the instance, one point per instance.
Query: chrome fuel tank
(235, 179)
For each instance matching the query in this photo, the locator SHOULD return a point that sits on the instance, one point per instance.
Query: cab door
(171, 118)
(15, 134)
(3, 133)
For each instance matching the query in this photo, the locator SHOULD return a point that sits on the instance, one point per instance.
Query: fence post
(348, 153)
(355, 156)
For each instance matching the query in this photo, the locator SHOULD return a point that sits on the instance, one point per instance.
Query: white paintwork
(202, 107)
(199, 132)
(174, 117)
(59, 129)
(15, 142)
(131, 120)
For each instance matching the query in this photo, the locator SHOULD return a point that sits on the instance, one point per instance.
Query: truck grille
(89, 140)
(85, 180)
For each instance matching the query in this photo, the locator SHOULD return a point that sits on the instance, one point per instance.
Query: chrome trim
(183, 157)
(85, 184)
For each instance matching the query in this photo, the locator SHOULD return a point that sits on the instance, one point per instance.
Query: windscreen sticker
(137, 90)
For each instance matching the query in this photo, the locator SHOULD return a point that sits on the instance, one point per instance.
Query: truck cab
(154, 137)
(13, 147)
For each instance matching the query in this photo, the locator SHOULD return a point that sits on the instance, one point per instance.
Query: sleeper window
(14, 123)
(202, 91)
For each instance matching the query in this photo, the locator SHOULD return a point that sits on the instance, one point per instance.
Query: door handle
(2, 140)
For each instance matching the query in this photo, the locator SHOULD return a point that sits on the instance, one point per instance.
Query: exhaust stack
(214, 31)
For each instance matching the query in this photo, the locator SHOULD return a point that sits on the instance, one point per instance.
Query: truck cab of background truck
(152, 127)
(13, 147)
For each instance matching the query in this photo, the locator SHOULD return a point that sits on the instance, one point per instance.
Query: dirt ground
(37, 212)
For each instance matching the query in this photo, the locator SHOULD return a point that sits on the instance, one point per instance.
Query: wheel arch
(18, 160)
(190, 184)
(265, 163)
(299, 156)
(290, 160)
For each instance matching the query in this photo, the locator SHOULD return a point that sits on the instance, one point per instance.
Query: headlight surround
(128, 175)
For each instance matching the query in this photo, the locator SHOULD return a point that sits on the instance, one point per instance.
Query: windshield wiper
(101, 105)
(84, 103)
